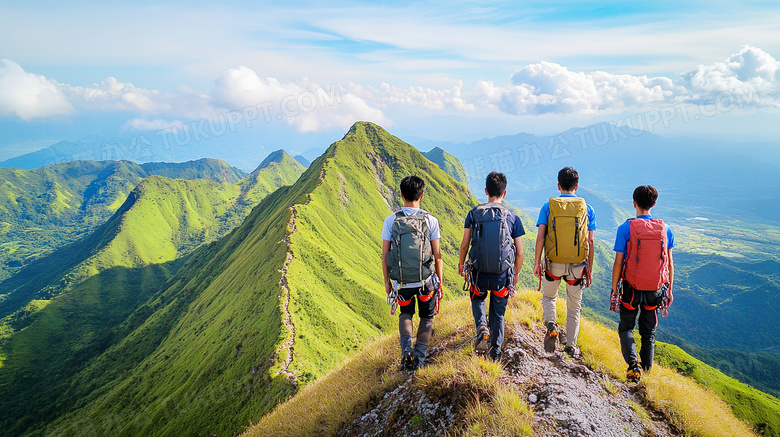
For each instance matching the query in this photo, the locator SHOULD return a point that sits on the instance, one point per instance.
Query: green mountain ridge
(449, 163)
(207, 343)
(84, 290)
(45, 208)
(210, 345)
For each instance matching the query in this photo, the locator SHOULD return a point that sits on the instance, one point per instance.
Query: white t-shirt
(433, 231)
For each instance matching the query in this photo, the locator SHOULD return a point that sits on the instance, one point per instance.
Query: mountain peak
(275, 156)
(366, 129)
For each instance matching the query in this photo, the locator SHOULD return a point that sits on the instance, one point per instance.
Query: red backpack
(647, 262)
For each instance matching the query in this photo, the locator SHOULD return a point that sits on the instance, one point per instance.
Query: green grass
(100, 287)
(450, 164)
(484, 403)
(52, 206)
(196, 354)
(196, 358)
(759, 409)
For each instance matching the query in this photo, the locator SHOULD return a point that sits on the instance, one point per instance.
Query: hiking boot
(634, 373)
(408, 360)
(482, 342)
(562, 338)
(551, 337)
(572, 351)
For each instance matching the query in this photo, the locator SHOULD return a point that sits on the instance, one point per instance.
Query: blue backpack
(492, 247)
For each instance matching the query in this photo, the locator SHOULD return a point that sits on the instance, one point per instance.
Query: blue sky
(439, 70)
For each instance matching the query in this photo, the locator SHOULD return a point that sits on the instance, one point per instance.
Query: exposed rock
(566, 397)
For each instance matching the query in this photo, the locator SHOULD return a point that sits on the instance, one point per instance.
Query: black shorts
(426, 302)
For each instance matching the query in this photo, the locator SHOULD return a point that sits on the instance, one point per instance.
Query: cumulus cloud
(307, 105)
(539, 88)
(552, 88)
(751, 67)
(112, 95)
(548, 87)
(27, 95)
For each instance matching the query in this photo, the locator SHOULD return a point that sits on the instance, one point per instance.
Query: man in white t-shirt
(412, 188)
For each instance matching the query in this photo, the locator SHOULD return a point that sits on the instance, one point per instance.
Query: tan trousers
(573, 297)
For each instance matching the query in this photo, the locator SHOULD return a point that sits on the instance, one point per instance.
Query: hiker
(642, 279)
(566, 224)
(410, 254)
(495, 258)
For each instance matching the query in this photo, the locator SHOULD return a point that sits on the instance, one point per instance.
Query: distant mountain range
(44, 208)
(694, 177)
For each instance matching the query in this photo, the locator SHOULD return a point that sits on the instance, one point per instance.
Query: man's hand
(388, 288)
(538, 272)
(460, 270)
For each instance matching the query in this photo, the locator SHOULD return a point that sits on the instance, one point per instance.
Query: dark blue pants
(494, 321)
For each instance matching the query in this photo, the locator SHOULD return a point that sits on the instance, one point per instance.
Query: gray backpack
(492, 247)
(410, 258)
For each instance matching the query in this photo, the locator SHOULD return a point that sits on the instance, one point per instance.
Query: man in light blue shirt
(550, 273)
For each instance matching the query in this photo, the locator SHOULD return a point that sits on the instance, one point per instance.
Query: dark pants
(495, 319)
(427, 307)
(645, 305)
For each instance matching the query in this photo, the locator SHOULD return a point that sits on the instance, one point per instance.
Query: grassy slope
(107, 276)
(449, 163)
(46, 208)
(335, 400)
(199, 361)
(757, 408)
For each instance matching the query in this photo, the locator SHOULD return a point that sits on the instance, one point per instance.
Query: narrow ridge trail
(285, 290)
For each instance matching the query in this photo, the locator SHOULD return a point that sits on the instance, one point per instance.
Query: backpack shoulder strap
(400, 214)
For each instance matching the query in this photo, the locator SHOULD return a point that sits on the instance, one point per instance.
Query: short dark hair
(645, 196)
(495, 184)
(568, 178)
(412, 188)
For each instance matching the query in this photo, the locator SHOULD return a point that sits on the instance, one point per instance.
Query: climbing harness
(585, 279)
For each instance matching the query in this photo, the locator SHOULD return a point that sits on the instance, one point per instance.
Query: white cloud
(307, 105)
(750, 67)
(27, 95)
(112, 95)
(539, 88)
(547, 87)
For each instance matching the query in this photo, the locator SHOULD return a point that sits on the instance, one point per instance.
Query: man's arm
(385, 249)
(438, 261)
(671, 270)
(617, 269)
(519, 255)
(591, 252)
(464, 249)
(540, 236)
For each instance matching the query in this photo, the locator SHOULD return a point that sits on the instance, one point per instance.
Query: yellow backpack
(567, 230)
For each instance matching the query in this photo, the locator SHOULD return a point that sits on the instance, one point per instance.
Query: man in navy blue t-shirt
(490, 332)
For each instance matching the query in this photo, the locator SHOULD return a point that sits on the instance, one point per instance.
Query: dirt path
(567, 398)
(285, 290)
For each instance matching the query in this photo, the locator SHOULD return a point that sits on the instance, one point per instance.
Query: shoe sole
(483, 345)
(633, 377)
(407, 363)
(549, 343)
